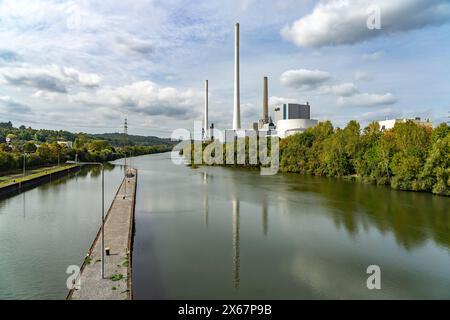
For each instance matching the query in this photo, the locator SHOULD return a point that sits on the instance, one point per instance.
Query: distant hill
(120, 140)
(42, 135)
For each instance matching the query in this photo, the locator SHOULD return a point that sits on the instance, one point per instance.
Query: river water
(213, 232)
(218, 233)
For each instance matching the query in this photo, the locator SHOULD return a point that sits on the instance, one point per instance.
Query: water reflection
(205, 198)
(265, 216)
(413, 218)
(47, 228)
(233, 234)
(236, 257)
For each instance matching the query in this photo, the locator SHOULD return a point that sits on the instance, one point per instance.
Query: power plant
(290, 118)
(205, 121)
(265, 112)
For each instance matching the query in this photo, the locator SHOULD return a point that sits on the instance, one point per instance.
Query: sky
(86, 65)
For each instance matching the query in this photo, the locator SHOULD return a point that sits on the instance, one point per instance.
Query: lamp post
(103, 211)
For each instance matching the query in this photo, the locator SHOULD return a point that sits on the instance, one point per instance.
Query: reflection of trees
(264, 216)
(413, 218)
(96, 170)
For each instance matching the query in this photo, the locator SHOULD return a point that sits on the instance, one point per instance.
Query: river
(219, 233)
(212, 233)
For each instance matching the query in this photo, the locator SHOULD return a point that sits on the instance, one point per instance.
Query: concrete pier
(119, 225)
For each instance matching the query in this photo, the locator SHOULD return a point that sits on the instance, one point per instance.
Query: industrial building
(389, 124)
(290, 118)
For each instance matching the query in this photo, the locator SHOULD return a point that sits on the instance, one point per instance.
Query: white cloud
(382, 114)
(337, 22)
(12, 106)
(276, 101)
(147, 98)
(304, 79)
(362, 76)
(373, 56)
(366, 100)
(246, 4)
(345, 89)
(135, 45)
(51, 78)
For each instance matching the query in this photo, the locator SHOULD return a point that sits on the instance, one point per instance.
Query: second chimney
(265, 115)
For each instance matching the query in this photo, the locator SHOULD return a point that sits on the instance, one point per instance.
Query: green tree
(411, 148)
(29, 147)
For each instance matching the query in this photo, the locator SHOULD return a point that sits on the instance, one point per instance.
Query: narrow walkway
(116, 284)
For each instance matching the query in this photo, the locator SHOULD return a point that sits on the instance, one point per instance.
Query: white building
(292, 118)
(389, 124)
(67, 144)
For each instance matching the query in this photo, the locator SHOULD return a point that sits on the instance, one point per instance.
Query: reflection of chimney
(236, 257)
(265, 217)
(265, 115)
(205, 124)
(237, 93)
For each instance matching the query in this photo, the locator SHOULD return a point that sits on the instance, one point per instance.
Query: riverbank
(43, 175)
(118, 235)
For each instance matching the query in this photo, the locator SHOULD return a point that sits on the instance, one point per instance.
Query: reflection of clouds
(338, 281)
(327, 280)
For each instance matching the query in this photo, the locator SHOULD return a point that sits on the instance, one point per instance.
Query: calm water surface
(48, 228)
(213, 232)
(224, 233)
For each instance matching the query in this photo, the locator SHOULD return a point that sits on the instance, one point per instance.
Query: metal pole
(103, 222)
(24, 161)
(125, 192)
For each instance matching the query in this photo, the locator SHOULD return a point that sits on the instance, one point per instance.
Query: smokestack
(265, 114)
(237, 93)
(205, 124)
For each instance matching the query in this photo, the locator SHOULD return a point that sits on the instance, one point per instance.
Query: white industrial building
(292, 118)
(389, 124)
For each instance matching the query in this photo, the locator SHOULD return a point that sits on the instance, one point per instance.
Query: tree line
(49, 147)
(408, 157)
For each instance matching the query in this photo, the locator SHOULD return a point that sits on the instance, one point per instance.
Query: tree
(29, 147)
(44, 153)
(411, 147)
(436, 171)
(98, 145)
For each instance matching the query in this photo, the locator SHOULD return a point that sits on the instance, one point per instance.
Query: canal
(211, 233)
(46, 229)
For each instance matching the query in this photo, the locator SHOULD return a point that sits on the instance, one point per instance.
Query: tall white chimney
(237, 93)
(205, 123)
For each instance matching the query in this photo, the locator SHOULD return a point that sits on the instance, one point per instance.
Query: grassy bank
(7, 180)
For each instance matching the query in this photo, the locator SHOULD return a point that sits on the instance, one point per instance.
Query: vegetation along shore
(408, 157)
(44, 148)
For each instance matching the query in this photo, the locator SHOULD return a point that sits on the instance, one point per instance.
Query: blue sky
(85, 65)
